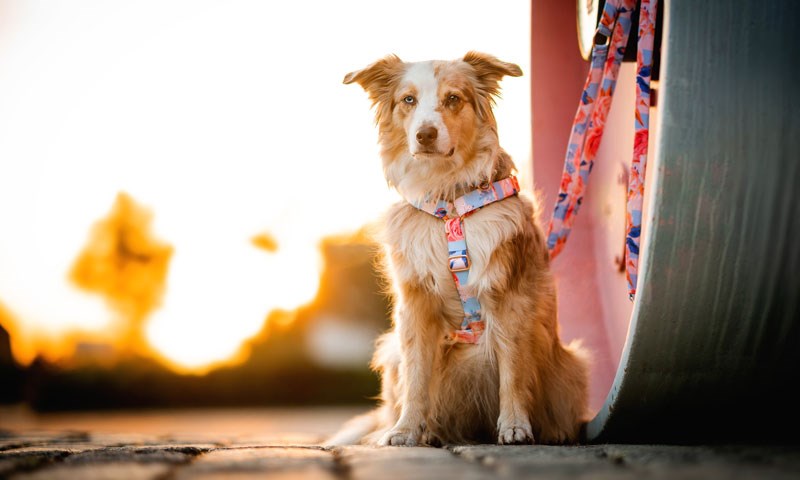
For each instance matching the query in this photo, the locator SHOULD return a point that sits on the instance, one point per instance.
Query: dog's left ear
(489, 71)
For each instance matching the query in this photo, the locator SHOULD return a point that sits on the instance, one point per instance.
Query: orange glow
(266, 242)
(239, 148)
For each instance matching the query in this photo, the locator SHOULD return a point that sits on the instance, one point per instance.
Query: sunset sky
(227, 120)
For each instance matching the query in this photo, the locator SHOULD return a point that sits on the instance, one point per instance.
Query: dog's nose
(427, 135)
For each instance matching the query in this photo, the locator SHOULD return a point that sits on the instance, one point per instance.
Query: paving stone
(14, 443)
(16, 461)
(283, 439)
(190, 439)
(781, 456)
(271, 455)
(308, 473)
(68, 449)
(407, 463)
(127, 439)
(148, 454)
(673, 461)
(634, 461)
(10, 441)
(539, 461)
(263, 462)
(105, 471)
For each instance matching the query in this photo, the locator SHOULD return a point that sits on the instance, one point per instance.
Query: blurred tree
(127, 265)
(281, 368)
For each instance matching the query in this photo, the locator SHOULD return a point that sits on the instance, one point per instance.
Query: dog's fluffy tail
(354, 431)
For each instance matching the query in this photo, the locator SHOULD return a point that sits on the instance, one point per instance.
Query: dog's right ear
(377, 73)
(378, 78)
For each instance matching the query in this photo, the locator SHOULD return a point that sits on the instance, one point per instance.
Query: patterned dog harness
(587, 129)
(453, 215)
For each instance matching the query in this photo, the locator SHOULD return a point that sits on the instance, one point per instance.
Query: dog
(512, 381)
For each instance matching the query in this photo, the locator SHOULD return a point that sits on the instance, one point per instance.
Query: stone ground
(282, 444)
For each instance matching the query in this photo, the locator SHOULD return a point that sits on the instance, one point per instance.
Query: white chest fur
(417, 245)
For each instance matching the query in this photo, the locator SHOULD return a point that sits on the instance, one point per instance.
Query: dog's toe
(517, 435)
(397, 438)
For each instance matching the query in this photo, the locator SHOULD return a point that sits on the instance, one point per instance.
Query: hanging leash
(589, 124)
(453, 214)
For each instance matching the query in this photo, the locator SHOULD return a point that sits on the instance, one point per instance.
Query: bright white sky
(227, 119)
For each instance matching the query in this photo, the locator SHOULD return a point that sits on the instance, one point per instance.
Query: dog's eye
(452, 101)
(409, 99)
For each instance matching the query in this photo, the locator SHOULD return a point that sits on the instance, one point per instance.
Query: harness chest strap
(453, 214)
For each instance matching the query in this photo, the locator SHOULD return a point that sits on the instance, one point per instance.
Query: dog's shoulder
(415, 244)
(402, 222)
(504, 220)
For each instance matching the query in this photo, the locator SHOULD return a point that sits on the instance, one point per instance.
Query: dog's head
(437, 130)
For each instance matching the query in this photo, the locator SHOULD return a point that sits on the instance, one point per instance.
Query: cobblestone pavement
(29, 454)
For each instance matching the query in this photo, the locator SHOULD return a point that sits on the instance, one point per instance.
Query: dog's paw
(399, 438)
(430, 439)
(515, 435)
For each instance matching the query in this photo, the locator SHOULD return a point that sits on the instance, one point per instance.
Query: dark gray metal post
(713, 351)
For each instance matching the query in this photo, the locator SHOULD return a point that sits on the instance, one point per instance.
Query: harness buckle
(456, 266)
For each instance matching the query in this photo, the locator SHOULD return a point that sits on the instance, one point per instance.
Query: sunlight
(224, 119)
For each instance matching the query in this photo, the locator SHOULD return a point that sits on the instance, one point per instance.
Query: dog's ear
(489, 68)
(377, 77)
(489, 71)
(379, 80)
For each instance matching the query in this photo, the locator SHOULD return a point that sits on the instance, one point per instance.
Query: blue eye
(409, 99)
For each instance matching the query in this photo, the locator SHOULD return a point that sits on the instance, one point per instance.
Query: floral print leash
(587, 128)
(453, 214)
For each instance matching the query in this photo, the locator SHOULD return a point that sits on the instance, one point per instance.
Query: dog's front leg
(418, 345)
(516, 386)
(513, 424)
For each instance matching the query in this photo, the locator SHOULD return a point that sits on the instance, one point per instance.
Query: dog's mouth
(434, 153)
